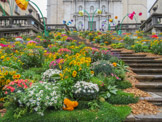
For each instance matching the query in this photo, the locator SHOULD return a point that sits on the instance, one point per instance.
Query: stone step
(137, 58)
(155, 98)
(143, 61)
(149, 78)
(131, 55)
(154, 66)
(145, 118)
(116, 51)
(147, 71)
(150, 86)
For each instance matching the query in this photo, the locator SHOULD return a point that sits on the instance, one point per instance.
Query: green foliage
(122, 98)
(140, 47)
(109, 90)
(156, 47)
(123, 85)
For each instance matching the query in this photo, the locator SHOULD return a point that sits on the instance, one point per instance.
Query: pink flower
(112, 74)
(117, 78)
(6, 92)
(29, 42)
(40, 81)
(140, 14)
(131, 15)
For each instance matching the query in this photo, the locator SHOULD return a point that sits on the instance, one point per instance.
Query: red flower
(154, 36)
(140, 14)
(131, 15)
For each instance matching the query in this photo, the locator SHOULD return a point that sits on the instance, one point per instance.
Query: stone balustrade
(53, 27)
(128, 27)
(19, 25)
(153, 24)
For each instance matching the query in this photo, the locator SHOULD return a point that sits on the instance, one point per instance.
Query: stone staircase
(149, 74)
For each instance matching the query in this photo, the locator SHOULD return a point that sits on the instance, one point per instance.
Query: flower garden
(57, 78)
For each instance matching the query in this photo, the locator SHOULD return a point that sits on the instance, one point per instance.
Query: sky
(43, 5)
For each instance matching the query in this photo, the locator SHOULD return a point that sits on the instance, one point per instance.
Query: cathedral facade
(67, 10)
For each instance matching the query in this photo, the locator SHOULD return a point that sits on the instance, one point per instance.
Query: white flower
(36, 109)
(28, 104)
(18, 91)
(47, 97)
(38, 103)
(38, 98)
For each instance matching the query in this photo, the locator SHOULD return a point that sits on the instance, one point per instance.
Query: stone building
(17, 11)
(59, 10)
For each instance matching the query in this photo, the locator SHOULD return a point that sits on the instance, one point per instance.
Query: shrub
(102, 67)
(122, 98)
(123, 85)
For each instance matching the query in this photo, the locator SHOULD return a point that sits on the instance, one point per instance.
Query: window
(91, 9)
(80, 8)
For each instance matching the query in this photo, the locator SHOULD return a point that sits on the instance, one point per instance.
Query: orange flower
(114, 64)
(116, 17)
(69, 105)
(23, 4)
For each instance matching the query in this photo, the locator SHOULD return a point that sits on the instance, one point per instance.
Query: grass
(107, 113)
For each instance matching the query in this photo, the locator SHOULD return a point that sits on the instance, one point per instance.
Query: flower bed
(140, 42)
(52, 76)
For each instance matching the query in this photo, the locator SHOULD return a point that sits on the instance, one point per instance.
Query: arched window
(80, 8)
(91, 9)
(103, 9)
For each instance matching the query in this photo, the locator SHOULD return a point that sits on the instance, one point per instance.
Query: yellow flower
(110, 20)
(2, 57)
(74, 74)
(92, 72)
(23, 4)
(18, 76)
(8, 81)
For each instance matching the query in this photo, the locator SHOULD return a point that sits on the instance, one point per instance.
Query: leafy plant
(110, 90)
